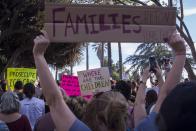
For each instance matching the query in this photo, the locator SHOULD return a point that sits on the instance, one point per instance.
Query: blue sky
(129, 48)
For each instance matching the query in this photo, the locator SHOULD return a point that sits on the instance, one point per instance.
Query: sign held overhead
(95, 23)
(94, 81)
(70, 85)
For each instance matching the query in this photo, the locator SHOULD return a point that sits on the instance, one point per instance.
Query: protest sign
(25, 75)
(111, 23)
(95, 80)
(70, 85)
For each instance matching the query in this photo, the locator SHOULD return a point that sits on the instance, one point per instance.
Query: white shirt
(33, 108)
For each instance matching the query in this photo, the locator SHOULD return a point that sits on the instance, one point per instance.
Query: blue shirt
(3, 126)
(33, 108)
(148, 123)
(79, 126)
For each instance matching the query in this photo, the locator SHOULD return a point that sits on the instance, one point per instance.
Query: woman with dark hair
(151, 98)
(18, 87)
(9, 113)
(2, 87)
(124, 88)
(31, 106)
(178, 111)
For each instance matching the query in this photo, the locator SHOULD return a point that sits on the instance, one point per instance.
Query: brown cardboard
(104, 23)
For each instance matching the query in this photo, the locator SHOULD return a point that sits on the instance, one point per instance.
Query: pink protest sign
(71, 85)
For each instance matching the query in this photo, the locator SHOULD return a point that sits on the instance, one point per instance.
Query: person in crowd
(9, 113)
(77, 106)
(141, 120)
(31, 106)
(134, 88)
(3, 126)
(62, 116)
(107, 112)
(178, 111)
(152, 93)
(38, 90)
(124, 88)
(156, 83)
(18, 89)
(2, 87)
(113, 84)
(151, 98)
(186, 80)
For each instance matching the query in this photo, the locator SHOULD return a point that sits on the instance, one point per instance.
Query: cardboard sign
(96, 23)
(25, 75)
(71, 85)
(95, 80)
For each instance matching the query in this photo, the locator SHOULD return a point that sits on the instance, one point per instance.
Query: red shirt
(22, 124)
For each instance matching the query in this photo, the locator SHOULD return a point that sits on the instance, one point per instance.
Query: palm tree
(120, 60)
(109, 57)
(100, 48)
(87, 57)
(141, 56)
(71, 69)
(102, 54)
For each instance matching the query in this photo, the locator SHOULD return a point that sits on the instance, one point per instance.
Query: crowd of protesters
(169, 105)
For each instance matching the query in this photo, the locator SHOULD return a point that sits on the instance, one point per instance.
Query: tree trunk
(120, 60)
(110, 58)
(182, 13)
(87, 57)
(189, 70)
(189, 42)
(102, 54)
(170, 3)
(71, 70)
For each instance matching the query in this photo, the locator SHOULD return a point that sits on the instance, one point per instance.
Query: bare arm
(139, 107)
(173, 77)
(159, 77)
(61, 114)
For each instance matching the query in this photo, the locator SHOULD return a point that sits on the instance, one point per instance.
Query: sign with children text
(26, 75)
(108, 23)
(94, 80)
(70, 85)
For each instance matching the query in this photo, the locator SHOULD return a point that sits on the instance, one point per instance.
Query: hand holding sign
(177, 43)
(41, 43)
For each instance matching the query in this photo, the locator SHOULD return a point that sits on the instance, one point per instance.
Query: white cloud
(190, 12)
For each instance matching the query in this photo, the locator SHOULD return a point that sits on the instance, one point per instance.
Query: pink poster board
(70, 85)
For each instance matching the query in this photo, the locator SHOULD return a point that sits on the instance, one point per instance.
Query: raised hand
(41, 43)
(177, 44)
(158, 72)
(145, 74)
